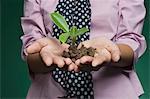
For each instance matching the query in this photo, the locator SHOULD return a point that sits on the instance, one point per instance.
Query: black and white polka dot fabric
(77, 84)
(77, 13)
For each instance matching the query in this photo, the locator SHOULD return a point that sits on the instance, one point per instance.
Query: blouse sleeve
(132, 13)
(32, 24)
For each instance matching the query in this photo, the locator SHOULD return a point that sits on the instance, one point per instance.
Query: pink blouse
(118, 20)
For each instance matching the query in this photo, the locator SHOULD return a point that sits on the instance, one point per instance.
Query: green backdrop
(14, 74)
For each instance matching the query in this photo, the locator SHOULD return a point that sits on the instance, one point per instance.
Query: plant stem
(73, 40)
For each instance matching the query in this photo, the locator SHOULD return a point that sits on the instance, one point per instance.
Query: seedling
(72, 32)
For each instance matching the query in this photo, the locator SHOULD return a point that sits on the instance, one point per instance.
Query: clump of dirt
(75, 53)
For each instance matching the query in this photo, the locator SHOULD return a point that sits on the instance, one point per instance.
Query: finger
(104, 53)
(116, 56)
(71, 67)
(115, 52)
(59, 61)
(86, 44)
(46, 57)
(68, 61)
(77, 62)
(76, 69)
(98, 61)
(34, 48)
(80, 45)
(48, 41)
(38, 45)
(65, 47)
(86, 59)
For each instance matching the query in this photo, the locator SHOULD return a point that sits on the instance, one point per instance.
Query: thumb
(65, 47)
(34, 48)
(86, 44)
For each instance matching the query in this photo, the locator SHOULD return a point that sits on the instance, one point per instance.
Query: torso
(109, 83)
(104, 20)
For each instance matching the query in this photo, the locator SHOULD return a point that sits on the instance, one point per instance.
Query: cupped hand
(106, 51)
(50, 50)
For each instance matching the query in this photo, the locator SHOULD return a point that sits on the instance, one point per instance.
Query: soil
(75, 54)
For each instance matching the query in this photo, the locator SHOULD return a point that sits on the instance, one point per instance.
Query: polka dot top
(77, 85)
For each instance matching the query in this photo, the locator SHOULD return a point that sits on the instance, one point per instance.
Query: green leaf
(60, 21)
(81, 31)
(73, 31)
(64, 37)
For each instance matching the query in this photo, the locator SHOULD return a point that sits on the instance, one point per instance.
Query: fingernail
(116, 58)
(94, 64)
(60, 66)
(48, 63)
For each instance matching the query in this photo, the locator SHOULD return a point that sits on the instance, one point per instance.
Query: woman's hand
(106, 51)
(50, 50)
